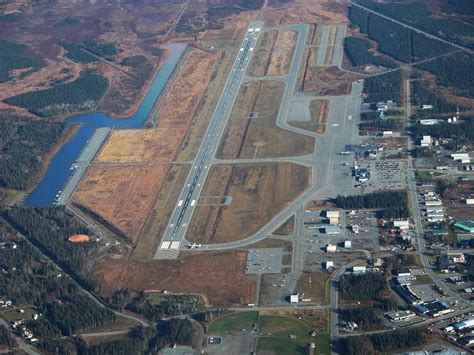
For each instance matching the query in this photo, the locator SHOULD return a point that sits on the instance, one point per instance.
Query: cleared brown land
(327, 80)
(313, 285)
(220, 276)
(178, 107)
(122, 196)
(252, 131)
(319, 112)
(286, 228)
(160, 213)
(258, 192)
(140, 145)
(273, 53)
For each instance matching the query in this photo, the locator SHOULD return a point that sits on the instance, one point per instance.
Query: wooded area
(80, 94)
(384, 87)
(49, 228)
(22, 147)
(14, 56)
(368, 286)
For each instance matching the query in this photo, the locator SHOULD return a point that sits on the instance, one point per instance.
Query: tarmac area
(264, 261)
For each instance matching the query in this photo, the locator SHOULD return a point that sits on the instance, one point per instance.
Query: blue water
(59, 171)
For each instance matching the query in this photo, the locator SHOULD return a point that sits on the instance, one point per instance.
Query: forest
(372, 121)
(78, 95)
(384, 87)
(6, 339)
(382, 199)
(14, 56)
(358, 52)
(423, 96)
(365, 318)
(48, 228)
(383, 342)
(22, 147)
(455, 71)
(30, 280)
(368, 286)
(418, 15)
(399, 42)
(76, 53)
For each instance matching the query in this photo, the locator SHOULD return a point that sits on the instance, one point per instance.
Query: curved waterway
(58, 171)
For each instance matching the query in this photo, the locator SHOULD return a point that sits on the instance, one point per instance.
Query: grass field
(233, 322)
(286, 228)
(258, 192)
(252, 131)
(280, 346)
(140, 145)
(278, 324)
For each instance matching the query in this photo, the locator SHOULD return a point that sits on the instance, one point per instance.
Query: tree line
(22, 147)
(460, 132)
(380, 199)
(80, 94)
(384, 87)
(367, 286)
(382, 342)
(14, 56)
(358, 51)
(423, 96)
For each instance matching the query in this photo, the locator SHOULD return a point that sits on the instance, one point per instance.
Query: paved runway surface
(183, 211)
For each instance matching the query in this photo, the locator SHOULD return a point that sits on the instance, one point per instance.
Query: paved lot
(264, 261)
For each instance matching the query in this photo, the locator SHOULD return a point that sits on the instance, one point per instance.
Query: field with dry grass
(252, 131)
(258, 192)
(219, 275)
(273, 53)
(140, 145)
(121, 195)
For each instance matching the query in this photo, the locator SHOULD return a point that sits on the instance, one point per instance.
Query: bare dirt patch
(252, 131)
(122, 195)
(258, 192)
(140, 145)
(220, 276)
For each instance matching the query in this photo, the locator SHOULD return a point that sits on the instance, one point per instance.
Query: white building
(434, 202)
(428, 122)
(348, 244)
(426, 141)
(469, 201)
(359, 269)
(329, 264)
(403, 224)
(294, 298)
(331, 248)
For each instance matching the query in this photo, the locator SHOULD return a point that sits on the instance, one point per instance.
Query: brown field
(122, 196)
(313, 285)
(220, 276)
(328, 80)
(140, 145)
(273, 53)
(258, 136)
(319, 112)
(178, 107)
(286, 228)
(160, 213)
(258, 192)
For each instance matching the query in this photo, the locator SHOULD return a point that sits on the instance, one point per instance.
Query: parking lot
(264, 261)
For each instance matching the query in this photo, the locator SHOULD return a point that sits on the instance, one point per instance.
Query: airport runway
(183, 211)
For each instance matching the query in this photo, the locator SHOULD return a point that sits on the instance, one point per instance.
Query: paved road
(183, 211)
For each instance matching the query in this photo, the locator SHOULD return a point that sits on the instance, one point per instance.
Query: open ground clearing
(140, 145)
(280, 324)
(252, 132)
(258, 192)
(219, 275)
(319, 110)
(121, 196)
(273, 53)
(286, 228)
(313, 285)
(328, 81)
